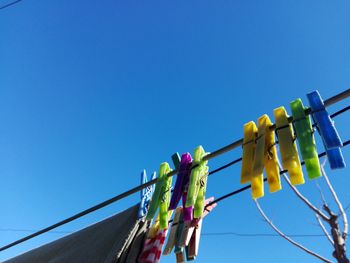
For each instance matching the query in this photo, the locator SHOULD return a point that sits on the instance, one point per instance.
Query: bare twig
(339, 204)
(287, 238)
(303, 198)
(324, 229)
(321, 193)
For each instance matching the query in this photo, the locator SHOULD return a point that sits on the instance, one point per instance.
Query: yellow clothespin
(248, 146)
(288, 149)
(152, 232)
(271, 162)
(265, 157)
(257, 180)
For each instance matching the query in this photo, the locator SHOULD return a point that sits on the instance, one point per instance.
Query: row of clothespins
(190, 186)
(259, 154)
(259, 146)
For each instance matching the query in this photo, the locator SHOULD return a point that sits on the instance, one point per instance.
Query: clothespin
(198, 182)
(194, 227)
(193, 245)
(179, 251)
(172, 236)
(161, 196)
(327, 130)
(146, 194)
(248, 147)
(306, 140)
(265, 157)
(288, 149)
(271, 162)
(184, 167)
(257, 180)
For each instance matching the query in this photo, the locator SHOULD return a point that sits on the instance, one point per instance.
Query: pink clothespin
(190, 236)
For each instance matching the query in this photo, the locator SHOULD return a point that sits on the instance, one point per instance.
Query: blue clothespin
(146, 194)
(327, 130)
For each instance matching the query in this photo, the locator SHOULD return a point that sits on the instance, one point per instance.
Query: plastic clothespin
(173, 231)
(271, 162)
(189, 227)
(183, 165)
(324, 122)
(306, 140)
(327, 130)
(288, 149)
(146, 194)
(165, 199)
(179, 251)
(265, 157)
(161, 196)
(198, 182)
(257, 180)
(193, 245)
(248, 147)
(190, 235)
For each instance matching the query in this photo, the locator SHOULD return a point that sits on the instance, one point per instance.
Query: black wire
(140, 187)
(259, 234)
(10, 4)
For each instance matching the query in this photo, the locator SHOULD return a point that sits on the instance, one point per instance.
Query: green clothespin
(164, 199)
(198, 183)
(303, 129)
(161, 196)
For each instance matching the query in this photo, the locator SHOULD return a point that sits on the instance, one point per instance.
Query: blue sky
(92, 92)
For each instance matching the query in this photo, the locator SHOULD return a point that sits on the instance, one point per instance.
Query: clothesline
(214, 154)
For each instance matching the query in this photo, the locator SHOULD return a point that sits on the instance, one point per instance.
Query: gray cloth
(103, 242)
(135, 245)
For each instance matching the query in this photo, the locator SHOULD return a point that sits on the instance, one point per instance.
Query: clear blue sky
(91, 92)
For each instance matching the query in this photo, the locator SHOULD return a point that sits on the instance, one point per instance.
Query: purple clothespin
(181, 185)
(146, 194)
(327, 130)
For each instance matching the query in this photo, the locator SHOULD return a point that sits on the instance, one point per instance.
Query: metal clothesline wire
(343, 95)
(10, 4)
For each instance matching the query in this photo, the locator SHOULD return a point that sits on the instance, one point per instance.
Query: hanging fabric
(154, 242)
(105, 241)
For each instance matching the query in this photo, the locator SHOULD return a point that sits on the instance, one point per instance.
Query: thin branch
(324, 229)
(340, 206)
(303, 198)
(287, 238)
(321, 193)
